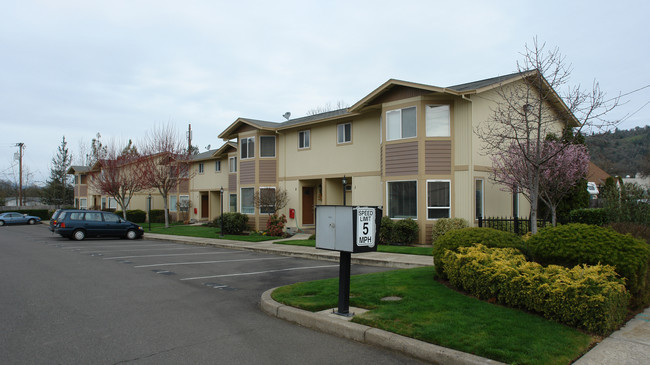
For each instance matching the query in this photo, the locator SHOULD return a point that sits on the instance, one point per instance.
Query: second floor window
(437, 120)
(303, 139)
(201, 168)
(401, 123)
(217, 165)
(344, 133)
(267, 146)
(233, 164)
(248, 147)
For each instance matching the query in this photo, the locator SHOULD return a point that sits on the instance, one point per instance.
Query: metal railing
(516, 225)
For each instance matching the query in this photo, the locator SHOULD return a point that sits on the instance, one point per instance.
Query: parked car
(18, 218)
(79, 224)
(54, 218)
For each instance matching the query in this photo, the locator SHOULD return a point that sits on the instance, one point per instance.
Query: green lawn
(426, 251)
(431, 312)
(203, 231)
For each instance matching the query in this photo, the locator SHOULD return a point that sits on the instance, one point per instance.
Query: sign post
(347, 230)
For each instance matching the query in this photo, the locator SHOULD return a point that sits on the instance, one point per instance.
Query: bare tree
(270, 200)
(166, 162)
(528, 110)
(328, 108)
(121, 175)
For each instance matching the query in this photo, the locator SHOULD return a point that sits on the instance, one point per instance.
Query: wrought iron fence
(515, 225)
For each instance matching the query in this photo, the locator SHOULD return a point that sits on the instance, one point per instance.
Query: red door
(307, 205)
(204, 207)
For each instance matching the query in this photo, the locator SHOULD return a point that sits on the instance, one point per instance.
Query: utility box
(346, 228)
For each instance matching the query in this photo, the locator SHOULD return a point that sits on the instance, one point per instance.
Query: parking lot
(149, 301)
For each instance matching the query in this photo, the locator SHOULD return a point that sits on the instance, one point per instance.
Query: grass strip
(204, 232)
(431, 312)
(424, 251)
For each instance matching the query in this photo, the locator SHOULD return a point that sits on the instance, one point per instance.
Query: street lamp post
(221, 216)
(345, 182)
(149, 210)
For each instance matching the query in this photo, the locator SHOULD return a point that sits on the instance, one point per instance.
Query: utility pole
(189, 138)
(20, 146)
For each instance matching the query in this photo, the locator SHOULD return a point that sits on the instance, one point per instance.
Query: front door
(307, 205)
(204, 206)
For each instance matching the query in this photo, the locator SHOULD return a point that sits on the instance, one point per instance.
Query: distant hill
(621, 152)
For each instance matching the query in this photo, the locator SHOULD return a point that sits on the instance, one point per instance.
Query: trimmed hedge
(157, 216)
(588, 297)
(578, 244)
(399, 232)
(134, 215)
(444, 225)
(595, 216)
(465, 237)
(233, 222)
(44, 214)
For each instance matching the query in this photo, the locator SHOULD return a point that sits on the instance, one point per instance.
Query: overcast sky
(75, 68)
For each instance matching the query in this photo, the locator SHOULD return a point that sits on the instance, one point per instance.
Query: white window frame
(401, 123)
(249, 151)
(201, 168)
(83, 203)
(478, 200)
(249, 210)
(388, 201)
(438, 208)
(433, 126)
(184, 200)
(305, 139)
(173, 199)
(274, 146)
(340, 128)
(112, 203)
(230, 202)
(232, 164)
(266, 188)
(217, 166)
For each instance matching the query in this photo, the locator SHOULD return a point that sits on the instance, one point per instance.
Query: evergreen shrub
(588, 297)
(444, 225)
(386, 230)
(157, 216)
(470, 236)
(233, 222)
(405, 231)
(595, 216)
(578, 244)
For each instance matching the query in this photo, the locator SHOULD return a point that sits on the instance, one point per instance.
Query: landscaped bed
(431, 312)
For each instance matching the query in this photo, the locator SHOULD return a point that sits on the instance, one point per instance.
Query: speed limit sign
(366, 227)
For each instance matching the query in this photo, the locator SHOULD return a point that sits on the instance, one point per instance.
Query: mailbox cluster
(346, 228)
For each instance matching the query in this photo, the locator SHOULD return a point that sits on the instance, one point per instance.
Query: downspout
(470, 164)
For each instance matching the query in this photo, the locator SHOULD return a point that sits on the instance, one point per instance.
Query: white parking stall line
(147, 249)
(259, 272)
(211, 262)
(113, 246)
(171, 254)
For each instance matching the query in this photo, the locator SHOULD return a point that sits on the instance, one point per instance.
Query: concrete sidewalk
(628, 346)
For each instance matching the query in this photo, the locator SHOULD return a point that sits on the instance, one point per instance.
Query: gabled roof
(405, 88)
(215, 153)
(596, 175)
(77, 169)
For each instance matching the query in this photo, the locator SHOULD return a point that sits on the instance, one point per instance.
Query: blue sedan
(18, 218)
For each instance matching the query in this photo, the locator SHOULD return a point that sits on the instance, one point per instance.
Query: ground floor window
(184, 203)
(267, 200)
(83, 203)
(233, 202)
(247, 201)
(402, 199)
(112, 203)
(438, 199)
(479, 198)
(172, 203)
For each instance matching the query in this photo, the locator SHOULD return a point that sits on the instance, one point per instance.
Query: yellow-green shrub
(588, 297)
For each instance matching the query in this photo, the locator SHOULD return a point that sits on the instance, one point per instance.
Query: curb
(372, 336)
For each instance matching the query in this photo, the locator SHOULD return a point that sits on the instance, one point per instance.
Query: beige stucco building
(408, 147)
